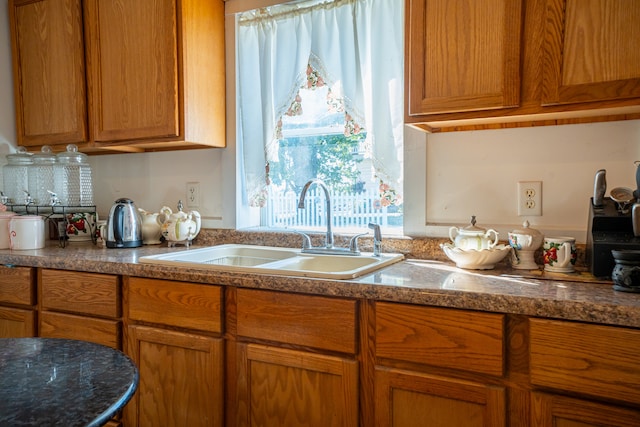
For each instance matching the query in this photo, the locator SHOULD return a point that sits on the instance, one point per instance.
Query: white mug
(5, 217)
(26, 232)
(101, 232)
(559, 254)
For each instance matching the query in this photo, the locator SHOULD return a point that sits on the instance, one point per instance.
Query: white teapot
(179, 227)
(472, 237)
(151, 227)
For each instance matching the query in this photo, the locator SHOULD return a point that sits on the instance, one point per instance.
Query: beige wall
(449, 177)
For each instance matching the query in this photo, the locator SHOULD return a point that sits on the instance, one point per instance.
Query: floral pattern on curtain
(335, 104)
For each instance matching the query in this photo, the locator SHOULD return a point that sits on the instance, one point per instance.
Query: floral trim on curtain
(388, 195)
(335, 104)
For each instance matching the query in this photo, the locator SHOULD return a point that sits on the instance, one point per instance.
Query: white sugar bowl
(473, 237)
(525, 242)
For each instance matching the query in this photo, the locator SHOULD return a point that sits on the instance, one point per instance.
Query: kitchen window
(320, 95)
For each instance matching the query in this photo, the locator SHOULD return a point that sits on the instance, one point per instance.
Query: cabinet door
(17, 285)
(49, 73)
(594, 360)
(132, 57)
(93, 294)
(548, 410)
(409, 399)
(591, 51)
(17, 323)
(462, 55)
(62, 325)
(181, 379)
(282, 387)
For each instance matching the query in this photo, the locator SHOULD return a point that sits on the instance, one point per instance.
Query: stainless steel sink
(272, 260)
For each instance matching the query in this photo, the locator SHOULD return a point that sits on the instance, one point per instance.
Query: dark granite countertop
(418, 281)
(59, 382)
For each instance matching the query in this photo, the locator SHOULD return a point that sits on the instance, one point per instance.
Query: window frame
(237, 216)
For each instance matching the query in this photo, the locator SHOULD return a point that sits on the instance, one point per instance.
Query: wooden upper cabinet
(133, 69)
(591, 51)
(49, 74)
(119, 75)
(156, 76)
(483, 64)
(462, 55)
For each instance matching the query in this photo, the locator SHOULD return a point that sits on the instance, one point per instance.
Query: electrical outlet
(530, 198)
(193, 194)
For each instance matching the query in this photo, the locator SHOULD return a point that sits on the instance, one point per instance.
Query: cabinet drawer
(443, 337)
(100, 331)
(16, 285)
(84, 293)
(17, 323)
(180, 304)
(589, 359)
(313, 321)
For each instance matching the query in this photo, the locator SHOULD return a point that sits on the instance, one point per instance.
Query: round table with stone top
(61, 382)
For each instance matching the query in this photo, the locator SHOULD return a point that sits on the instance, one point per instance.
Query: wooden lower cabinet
(217, 356)
(549, 410)
(17, 323)
(82, 306)
(17, 302)
(174, 335)
(284, 387)
(296, 360)
(439, 367)
(181, 379)
(408, 399)
(584, 374)
(100, 331)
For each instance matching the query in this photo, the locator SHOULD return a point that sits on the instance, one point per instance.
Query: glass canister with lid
(42, 176)
(15, 175)
(73, 178)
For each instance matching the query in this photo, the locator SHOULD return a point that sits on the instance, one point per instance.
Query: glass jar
(41, 176)
(73, 178)
(15, 175)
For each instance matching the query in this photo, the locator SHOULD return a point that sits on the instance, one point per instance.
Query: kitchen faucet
(329, 248)
(303, 194)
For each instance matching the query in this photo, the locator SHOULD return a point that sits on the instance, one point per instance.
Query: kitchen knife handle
(599, 187)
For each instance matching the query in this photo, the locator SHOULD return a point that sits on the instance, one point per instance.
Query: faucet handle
(353, 243)
(306, 240)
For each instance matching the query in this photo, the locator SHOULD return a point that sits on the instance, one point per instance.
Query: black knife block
(608, 229)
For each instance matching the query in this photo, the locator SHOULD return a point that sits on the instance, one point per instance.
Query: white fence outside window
(349, 210)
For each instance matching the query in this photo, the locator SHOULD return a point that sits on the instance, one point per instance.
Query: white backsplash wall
(154, 180)
(476, 173)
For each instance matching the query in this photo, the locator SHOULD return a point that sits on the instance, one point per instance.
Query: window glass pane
(313, 144)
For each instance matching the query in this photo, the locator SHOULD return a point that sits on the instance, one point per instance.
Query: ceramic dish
(471, 259)
(622, 195)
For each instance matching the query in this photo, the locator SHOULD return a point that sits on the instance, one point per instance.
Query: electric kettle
(124, 226)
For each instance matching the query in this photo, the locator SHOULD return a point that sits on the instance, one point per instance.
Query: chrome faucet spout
(303, 194)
